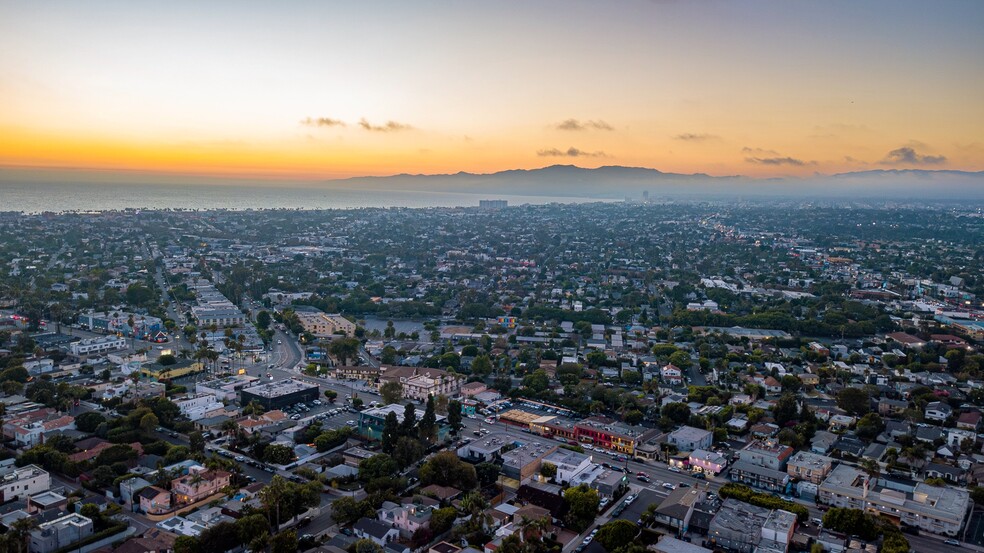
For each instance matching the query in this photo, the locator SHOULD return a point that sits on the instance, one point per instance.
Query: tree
(89, 421)
(409, 420)
(377, 466)
(344, 349)
(617, 533)
(481, 366)
(454, 416)
(681, 359)
(488, 473)
(785, 409)
(791, 383)
(263, 320)
(538, 381)
(364, 545)
(446, 469)
(186, 544)
(853, 400)
(582, 504)
(548, 470)
(427, 427)
(346, 510)
(392, 392)
(197, 442)
(251, 527)
(407, 451)
(442, 519)
(284, 542)
(149, 423)
(391, 432)
(679, 413)
(870, 426)
(278, 454)
(331, 395)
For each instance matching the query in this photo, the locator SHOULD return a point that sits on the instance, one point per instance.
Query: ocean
(67, 197)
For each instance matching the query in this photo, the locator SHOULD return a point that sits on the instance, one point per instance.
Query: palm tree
(21, 528)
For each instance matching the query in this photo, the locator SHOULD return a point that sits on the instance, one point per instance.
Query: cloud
(569, 152)
(389, 126)
(322, 122)
(758, 151)
(694, 137)
(575, 125)
(779, 161)
(909, 156)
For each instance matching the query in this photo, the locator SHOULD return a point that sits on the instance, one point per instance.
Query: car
(816, 521)
(669, 486)
(350, 423)
(951, 541)
(643, 479)
(606, 465)
(280, 341)
(304, 522)
(675, 469)
(604, 503)
(641, 474)
(699, 476)
(684, 485)
(630, 498)
(593, 532)
(240, 458)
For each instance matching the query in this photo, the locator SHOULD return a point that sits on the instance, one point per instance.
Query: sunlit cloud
(570, 152)
(696, 137)
(322, 122)
(389, 126)
(779, 161)
(909, 156)
(575, 125)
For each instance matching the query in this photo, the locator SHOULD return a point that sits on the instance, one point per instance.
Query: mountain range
(615, 181)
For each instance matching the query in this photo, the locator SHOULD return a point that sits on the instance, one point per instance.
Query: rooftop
(281, 388)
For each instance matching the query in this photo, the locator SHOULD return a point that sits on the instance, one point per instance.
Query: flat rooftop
(280, 388)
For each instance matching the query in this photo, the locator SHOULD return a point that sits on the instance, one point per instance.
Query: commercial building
(939, 510)
(486, 448)
(24, 482)
(569, 464)
(769, 454)
(277, 395)
(746, 528)
(60, 533)
(324, 325)
(228, 388)
(688, 438)
(756, 476)
(103, 344)
(144, 327)
(523, 462)
(372, 421)
(809, 467)
(613, 435)
(220, 316)
(710, 462)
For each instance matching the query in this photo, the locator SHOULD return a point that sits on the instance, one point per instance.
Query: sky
(331, 90)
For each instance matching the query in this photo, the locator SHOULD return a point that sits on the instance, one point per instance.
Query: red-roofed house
(198, 484)
(970, 420)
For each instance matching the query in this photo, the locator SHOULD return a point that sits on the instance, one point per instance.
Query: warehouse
(277, 395)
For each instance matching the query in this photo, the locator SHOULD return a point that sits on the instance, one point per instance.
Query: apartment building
(198, 484)
(939, 510)
(768, 453)
(324, 325)
(688, 438)
(103, 344)
(809, 467)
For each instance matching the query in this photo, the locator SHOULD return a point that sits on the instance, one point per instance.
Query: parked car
(669, 486)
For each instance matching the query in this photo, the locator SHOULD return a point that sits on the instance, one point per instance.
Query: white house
(24, 482)
(938, 411)
(569, 464)
(197, 406)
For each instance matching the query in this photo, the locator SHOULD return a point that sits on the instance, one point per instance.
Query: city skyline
(309, 91)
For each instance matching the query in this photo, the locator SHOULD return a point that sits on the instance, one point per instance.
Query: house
(937, 411)
(376, 531)
(745, 528)
(676, 510)
(769, 454)
(952, 475)
(29, 429)
(198, 484)
(772, 386)
(406, 518)
(154, 500)
(24, 482)
(969, 420)
(60, 533)
(671, 374)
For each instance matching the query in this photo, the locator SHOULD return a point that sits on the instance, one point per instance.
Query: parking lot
(975, 528)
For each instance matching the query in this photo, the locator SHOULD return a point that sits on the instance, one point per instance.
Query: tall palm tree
(21, 528)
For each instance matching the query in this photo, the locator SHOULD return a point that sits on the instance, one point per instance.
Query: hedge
(747, 495)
